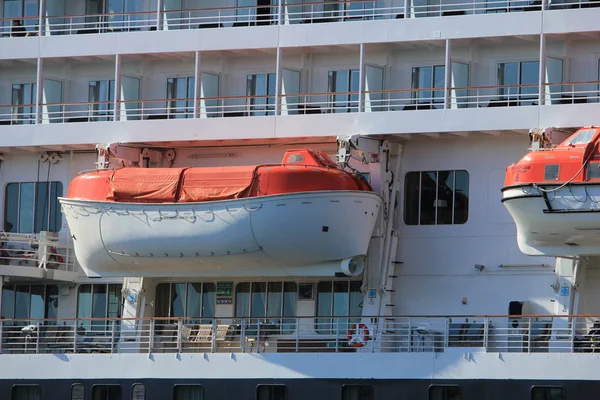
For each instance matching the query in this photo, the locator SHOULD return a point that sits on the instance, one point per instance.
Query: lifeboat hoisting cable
(358, 335)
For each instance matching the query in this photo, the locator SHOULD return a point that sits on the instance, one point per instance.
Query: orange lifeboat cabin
(553, 195)
(302, 170)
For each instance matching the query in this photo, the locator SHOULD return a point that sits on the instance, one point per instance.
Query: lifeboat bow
(553, 195)
(305, 216)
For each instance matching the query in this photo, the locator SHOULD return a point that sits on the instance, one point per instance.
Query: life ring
(355, 338)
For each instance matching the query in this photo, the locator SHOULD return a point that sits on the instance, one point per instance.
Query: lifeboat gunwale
(266, 197)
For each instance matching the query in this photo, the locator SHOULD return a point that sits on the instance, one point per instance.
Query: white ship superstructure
(433, 99)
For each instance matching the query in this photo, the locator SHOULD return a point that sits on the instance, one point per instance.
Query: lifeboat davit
(553, 195)
(305, 217)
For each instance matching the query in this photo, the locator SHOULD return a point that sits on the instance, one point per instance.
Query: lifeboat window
(191, 300)
(98, 301)
(268, 299)
(295, 158)
(583, 137)
(271, 392)
(185, 392)
(138, 391)
(106, 392)
(444, 392)
(593, 171)
(26, 392)
(340, 299)
(551, 172)
(20, 198)
(436, 197)
(548, 392)
(357, 392)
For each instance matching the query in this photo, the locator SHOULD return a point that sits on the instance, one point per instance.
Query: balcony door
(290, 86)
(515, 74)
(256, 12)
(260, 90)
(373, 87)
(459, 94)
(428, 86)
(52, 97)
(27, 11)
(23, 103)
(343, 86)
(210, 90)
(180, 92)
(117, 21)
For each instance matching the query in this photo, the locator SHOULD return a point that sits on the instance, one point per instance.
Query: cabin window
(357, 392)
(518, 81)
(188, 300)
(106, 392)
(99, 301)
(436, 197)
(583, 137)
(260, 89)
(274, 301)
(343, 86)
(338, 298)
(180, 93)
(23, 103)
(138, 391)
(551, 172)
(444, 393)
(26, 392)
(77, 392)
(29, 302)
(548, 393)
(428, 85)
(271, 392)
(593, 170)
(188, 392)
(32, 207)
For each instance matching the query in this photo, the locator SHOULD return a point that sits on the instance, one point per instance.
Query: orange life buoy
(355, 338)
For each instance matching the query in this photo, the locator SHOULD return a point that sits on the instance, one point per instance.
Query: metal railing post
(112, 337)
(37, 338)
(151, 333)
(179, 333)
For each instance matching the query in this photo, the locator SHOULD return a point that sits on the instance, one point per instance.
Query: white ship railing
(527, 334)
(41, 250)
(306, 103)
(304, 13)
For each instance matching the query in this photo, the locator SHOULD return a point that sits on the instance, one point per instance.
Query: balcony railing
(305, 13)
(527, 334)
(43, 250)
(306, 103)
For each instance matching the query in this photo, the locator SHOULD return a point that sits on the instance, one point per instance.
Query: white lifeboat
(303, 217)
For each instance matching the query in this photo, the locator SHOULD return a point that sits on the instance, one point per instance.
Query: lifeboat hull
(561, 222)
(308, 234)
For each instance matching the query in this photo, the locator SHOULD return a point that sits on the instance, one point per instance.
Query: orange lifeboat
(553, 195)
(305, 216)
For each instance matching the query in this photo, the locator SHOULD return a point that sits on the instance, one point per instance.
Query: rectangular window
(428, 85)
(181, 92)
(514, 75)
(357, 392)
(191, 300)
(77, 392)
(444, 393)
(17, 9)
(593, 170)
(260, 89)
(138, 391)
(29, 301)
(270, 301)
(188, 392)
(548, 393)
(23, 103)
(26, 392)
(106, 392)
(101, 96)
(344, 86)
(436, 197)
(99, 301)
(339, 299)
(271, 392)
(551, 172)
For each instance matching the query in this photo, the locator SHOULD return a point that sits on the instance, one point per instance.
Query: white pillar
(197, 85)
(447, 74)
(159, 15)
(42, 18)
(278, 82)
(280, 5)
(39, 90)
(542, 77)
(361, 78)
(117, 94)
(407, 5)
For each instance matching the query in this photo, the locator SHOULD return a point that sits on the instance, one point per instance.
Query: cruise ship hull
(308, 234)
(562, 221)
